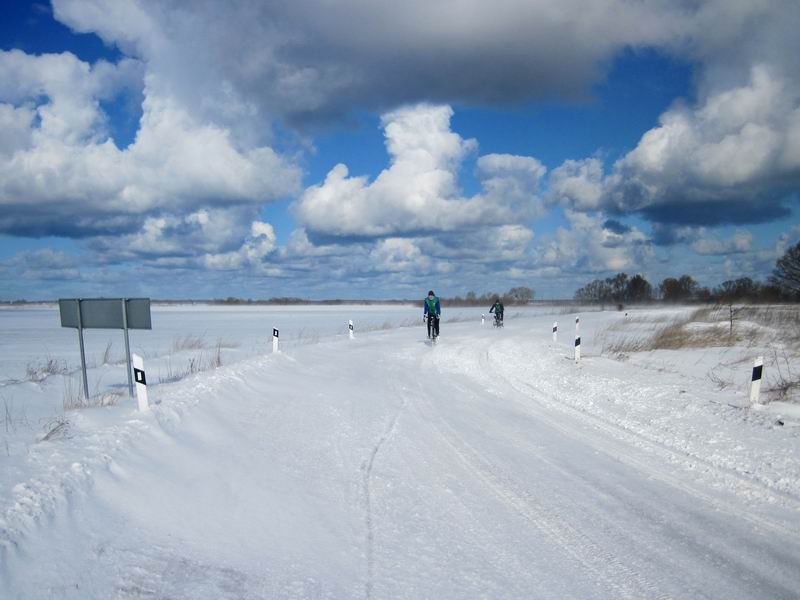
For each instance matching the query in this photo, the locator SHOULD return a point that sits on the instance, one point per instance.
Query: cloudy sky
(374, 148)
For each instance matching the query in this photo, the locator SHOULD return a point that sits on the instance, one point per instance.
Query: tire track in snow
(621, 434)
(494, 373)
(606, 567)
(366, 474)
(542, 398)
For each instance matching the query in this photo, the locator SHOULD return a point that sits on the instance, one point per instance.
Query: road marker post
(275, 335)
(483, 319)
(755, 380)
(577, 349)
(140, 378)
(350, 329)
(555, 332)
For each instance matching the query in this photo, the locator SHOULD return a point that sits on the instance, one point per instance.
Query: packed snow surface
(489, 465)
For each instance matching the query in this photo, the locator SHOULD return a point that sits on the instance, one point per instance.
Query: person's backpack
(431, 302)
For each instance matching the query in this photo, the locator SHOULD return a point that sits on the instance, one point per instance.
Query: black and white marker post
(350, 329)
(577, 348)
(275, 335)
(755, 380)
(483, 319)
(140, 378)
(555, 332)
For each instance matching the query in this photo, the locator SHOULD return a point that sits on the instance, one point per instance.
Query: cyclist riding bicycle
(497, 309)
(432, 312)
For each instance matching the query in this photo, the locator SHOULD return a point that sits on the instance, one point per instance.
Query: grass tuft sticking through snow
(57, 428)
(707, 327)
(195, 364)
(39, 372)
(106, 360)
(724, 326)
(189, 342)
(787, 381)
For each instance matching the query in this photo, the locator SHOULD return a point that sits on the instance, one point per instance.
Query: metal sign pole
(127, 345)
(83, 352)
(105, 313)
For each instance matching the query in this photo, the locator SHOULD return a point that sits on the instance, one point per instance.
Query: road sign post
(83, 353)
(105, 313)
(127, 346)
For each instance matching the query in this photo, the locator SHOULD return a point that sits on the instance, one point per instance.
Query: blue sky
(320, 150)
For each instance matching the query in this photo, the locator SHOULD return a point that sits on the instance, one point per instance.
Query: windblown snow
(489, 465)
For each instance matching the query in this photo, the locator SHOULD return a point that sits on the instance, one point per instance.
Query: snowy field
(488, 466)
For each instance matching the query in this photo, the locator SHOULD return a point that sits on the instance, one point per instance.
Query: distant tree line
(515, 296)
(782, 285)
(287, 300)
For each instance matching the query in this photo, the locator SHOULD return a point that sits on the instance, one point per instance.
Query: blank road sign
(105, 313)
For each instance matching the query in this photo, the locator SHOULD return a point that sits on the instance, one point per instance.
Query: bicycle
(433, 327)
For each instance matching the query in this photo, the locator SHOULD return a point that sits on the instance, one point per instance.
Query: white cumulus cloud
(731, 155)
(419, 190)
(61, 172)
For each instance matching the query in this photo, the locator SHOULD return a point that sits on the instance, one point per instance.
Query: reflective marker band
(757, 372)
(138, 375)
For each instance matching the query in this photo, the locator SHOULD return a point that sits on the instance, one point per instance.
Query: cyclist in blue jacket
(432, 313)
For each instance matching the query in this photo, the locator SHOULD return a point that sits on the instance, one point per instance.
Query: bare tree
(786, 275)
(519, 295)
(639, 289)
(677, 290)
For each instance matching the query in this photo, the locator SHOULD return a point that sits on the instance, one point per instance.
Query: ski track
(366, 468)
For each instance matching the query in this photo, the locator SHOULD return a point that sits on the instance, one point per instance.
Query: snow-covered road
(489, 466)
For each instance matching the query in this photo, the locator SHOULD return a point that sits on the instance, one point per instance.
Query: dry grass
(189, 342)
(784, 319)
(719, 381)
(196, 364)
(671, 336)
(677, 335)
(38, 372)
(10, 419)
(583, 308)
(227, 344)
(651, 321)
(106, 360)
(56, 428)
(778, 316)
(772, 325)
(622, 346)
(72, 396)
(787, 382)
